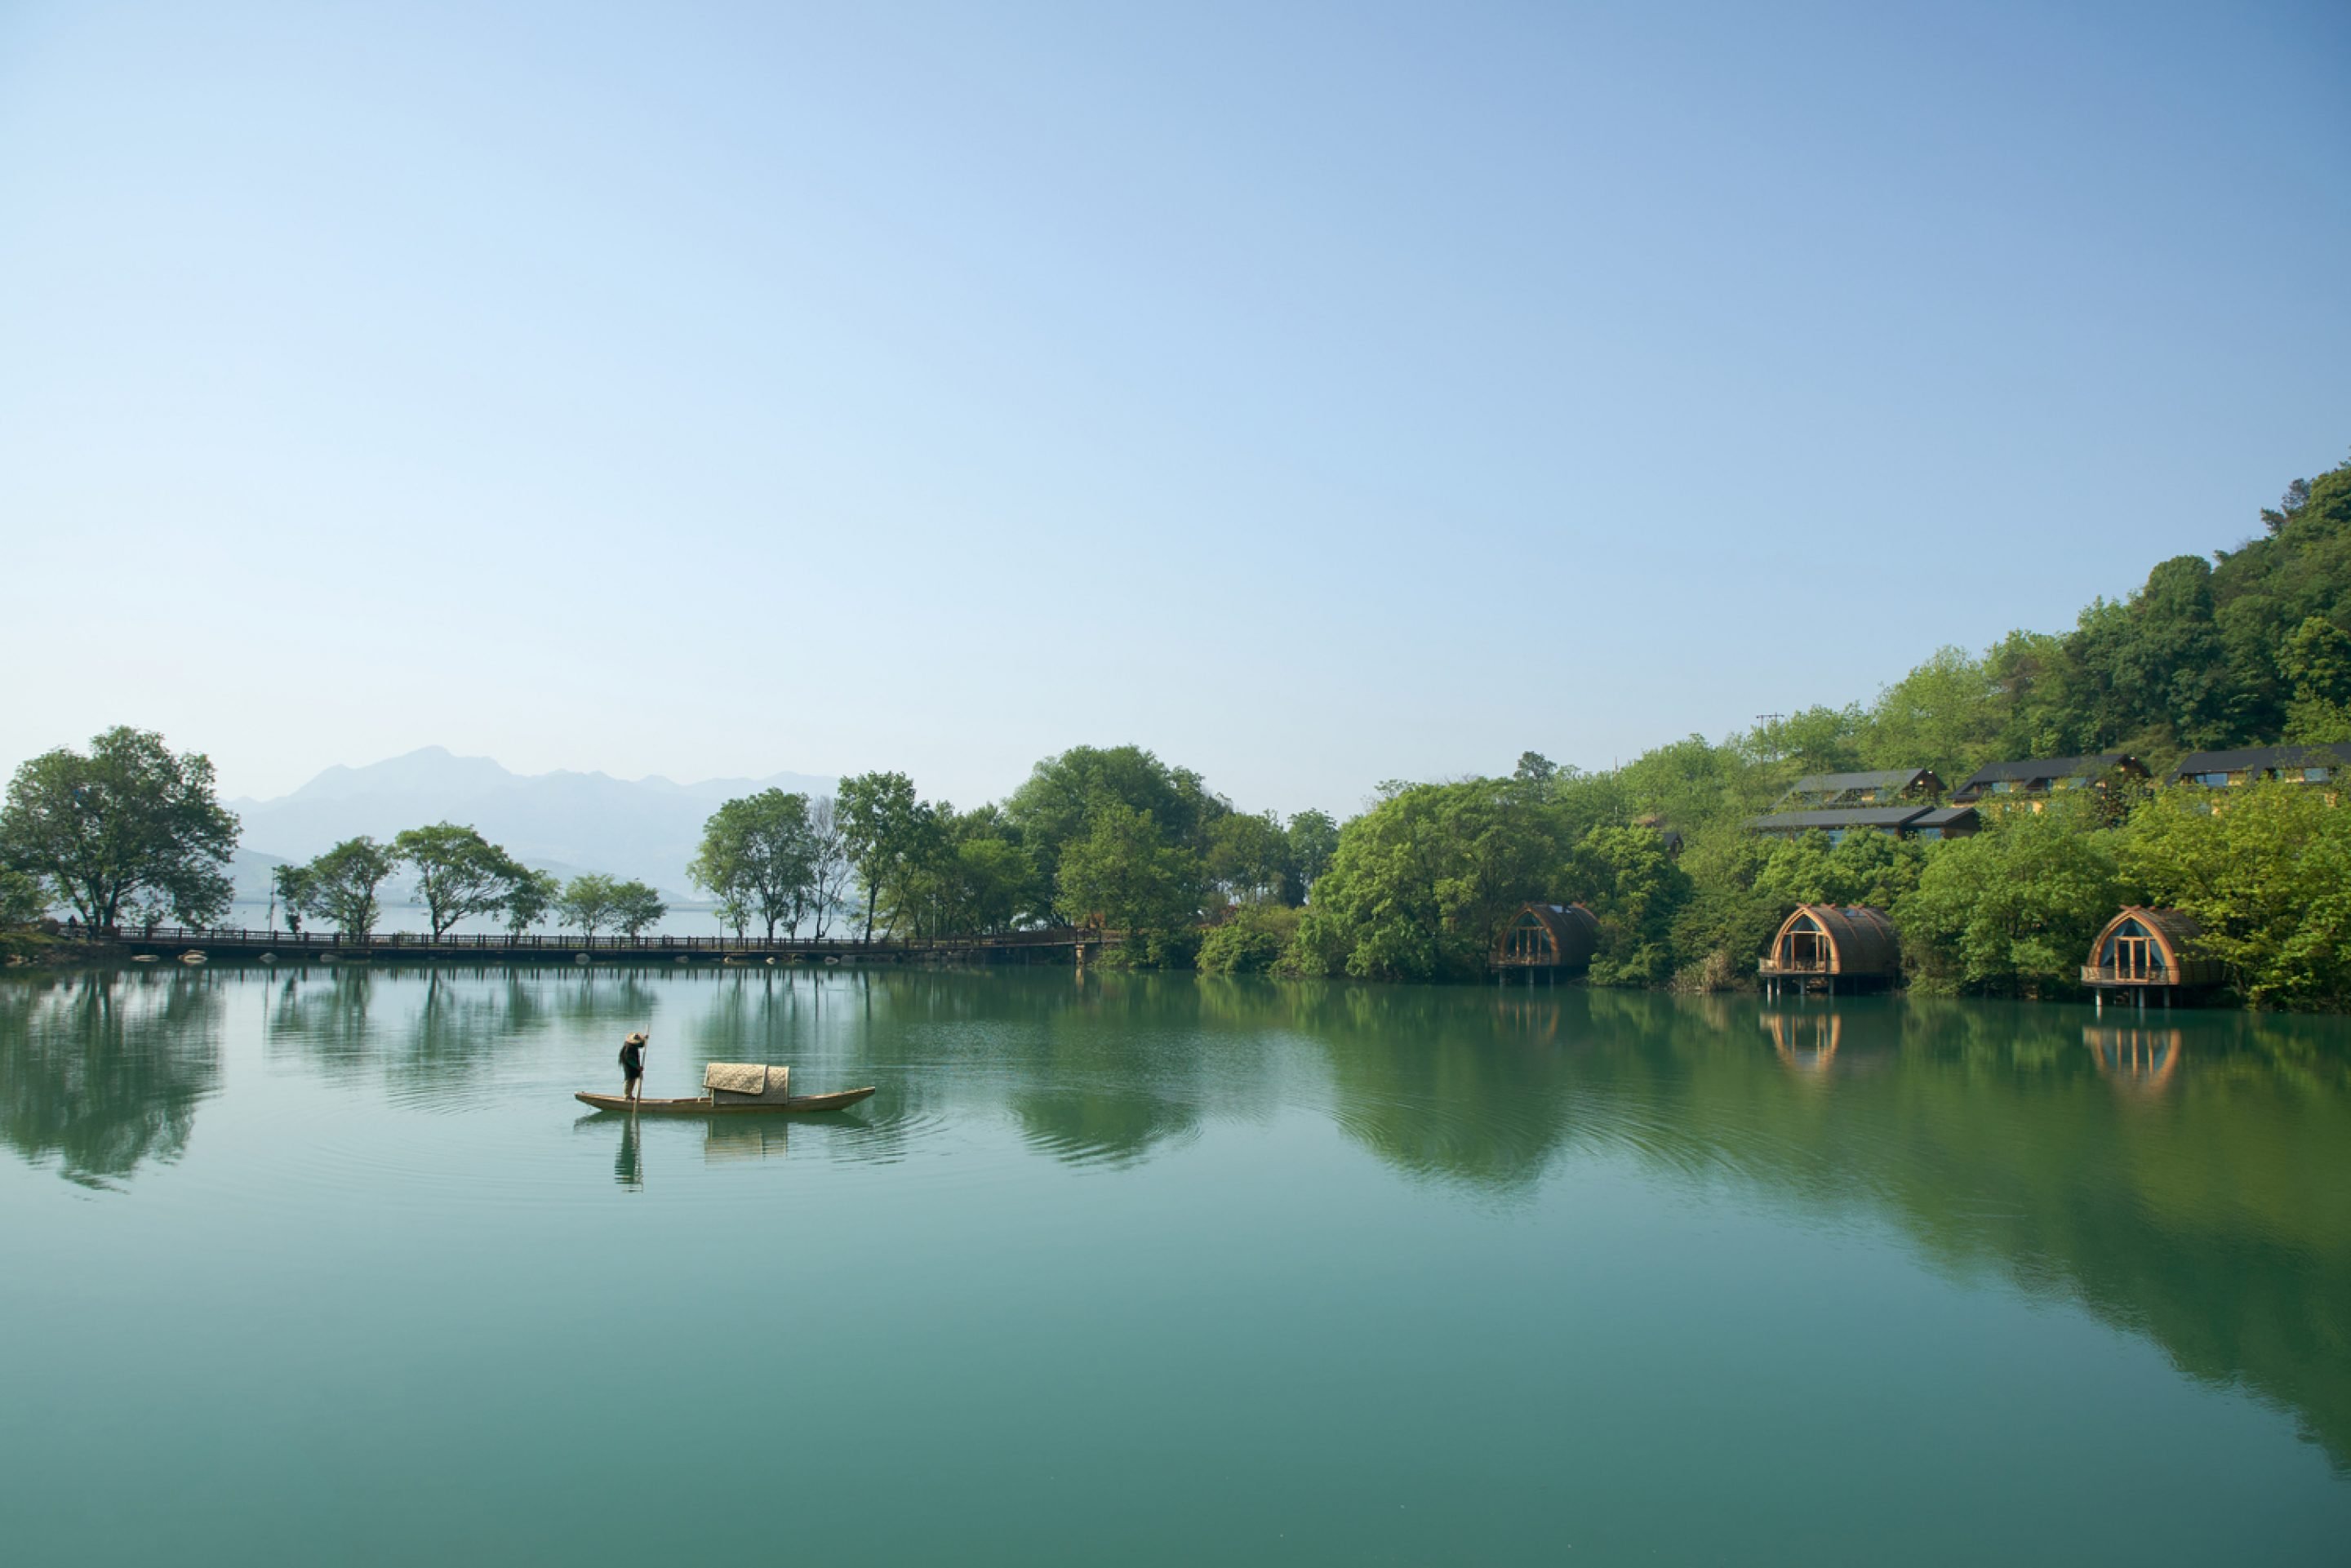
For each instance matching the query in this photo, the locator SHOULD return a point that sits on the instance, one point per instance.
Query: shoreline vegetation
(2250, 648)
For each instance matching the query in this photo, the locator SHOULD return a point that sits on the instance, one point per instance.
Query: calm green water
(330, 1267)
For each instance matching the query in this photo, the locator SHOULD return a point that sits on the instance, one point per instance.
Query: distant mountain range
(567, 823)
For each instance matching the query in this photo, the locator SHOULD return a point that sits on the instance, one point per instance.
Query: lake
(327, 1265)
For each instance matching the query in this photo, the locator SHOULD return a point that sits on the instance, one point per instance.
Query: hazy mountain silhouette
(644, 828)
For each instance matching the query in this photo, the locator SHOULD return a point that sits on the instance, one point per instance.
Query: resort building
(1898, 802)
(1914, 822)
(1813, 791)
(1822, 944)
(2031, 783)
(2292, 764)
(1553, 939)
(2145, 952)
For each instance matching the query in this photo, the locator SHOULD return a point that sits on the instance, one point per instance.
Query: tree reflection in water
(103, 1072)
(2190, 1182)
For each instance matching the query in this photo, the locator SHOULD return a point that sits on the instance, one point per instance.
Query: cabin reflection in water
(1806, 1041)
(2141, 1060)
(1852, 949)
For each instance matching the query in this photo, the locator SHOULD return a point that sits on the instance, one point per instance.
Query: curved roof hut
(1557, 936)
(2144, 948)
(1822, 942)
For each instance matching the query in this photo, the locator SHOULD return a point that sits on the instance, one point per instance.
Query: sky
(1315, 394)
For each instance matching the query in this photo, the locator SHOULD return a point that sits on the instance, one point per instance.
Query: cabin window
(2132, 953)
(1836, 836)
(2003, 786)
(1927, 833)
(1805, 946)
(2213, 780)
(1530, 942)
(2317, 775)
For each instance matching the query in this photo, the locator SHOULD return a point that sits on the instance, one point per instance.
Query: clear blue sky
(1315, 394)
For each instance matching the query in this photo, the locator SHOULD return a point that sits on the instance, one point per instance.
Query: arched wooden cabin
(2149, 951)
(1820, 944)
(1552, 938)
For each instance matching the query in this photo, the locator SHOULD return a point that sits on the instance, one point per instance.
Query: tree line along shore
(2251, 647)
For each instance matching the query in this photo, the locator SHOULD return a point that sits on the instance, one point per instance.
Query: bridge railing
(560, 942)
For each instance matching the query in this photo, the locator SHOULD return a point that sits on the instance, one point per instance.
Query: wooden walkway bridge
(1056, 945)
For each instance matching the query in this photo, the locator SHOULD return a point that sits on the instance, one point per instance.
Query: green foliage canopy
(341, 886)
(759, 856)
(458, 872)
(127, 823)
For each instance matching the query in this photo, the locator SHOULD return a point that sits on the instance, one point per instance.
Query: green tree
(1634, 889)
(591, 901)
(2266, 873)
(1946, 714)
(829, 868)
(1253, 941)
(635, 906)
(129, 822)
(529, 897)
(1249, 857)
(341, 886)
(2317, 659)
(882, 830)
(1313, 840)
(458, 871)
(758, 855)
(980, 882)
(1867, 868)
(292, 883)
(1420, 884)
(2013, 910)
(24, 898)
(1056, 803)
(1124, 876)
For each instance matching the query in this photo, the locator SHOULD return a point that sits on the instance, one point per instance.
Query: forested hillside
(2252, 647)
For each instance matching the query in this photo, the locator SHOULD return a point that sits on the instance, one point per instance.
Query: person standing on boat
(632, 1068)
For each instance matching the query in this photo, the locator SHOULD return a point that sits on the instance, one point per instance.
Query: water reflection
(1478, 1093)
(2139, 1061)
(2190, 1182)
(1805, 1041)
(103, 1072)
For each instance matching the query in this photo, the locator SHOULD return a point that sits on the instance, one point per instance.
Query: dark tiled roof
(2258, 756)
(1944, 817)
(1826, 783)
(2047, 768)
(1834, 816)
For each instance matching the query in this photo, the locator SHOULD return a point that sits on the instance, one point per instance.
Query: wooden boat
(702, 1105)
